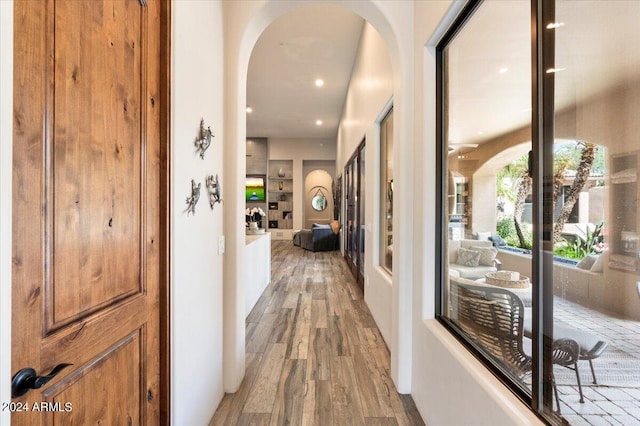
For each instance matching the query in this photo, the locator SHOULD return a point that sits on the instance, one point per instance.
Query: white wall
(369, 92)
(449, 385)
(299, 150)
(196, 266)
(258, 252)
(6, 167)
(370, 89)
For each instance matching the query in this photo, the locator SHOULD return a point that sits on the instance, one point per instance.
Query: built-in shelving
(280, 194)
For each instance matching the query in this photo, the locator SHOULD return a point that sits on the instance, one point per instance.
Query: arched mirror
(319, 202)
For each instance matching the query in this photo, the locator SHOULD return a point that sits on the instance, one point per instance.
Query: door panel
(125, 355)
(97, 147)
(87, 206)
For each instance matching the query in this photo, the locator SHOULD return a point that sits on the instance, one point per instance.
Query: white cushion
(475, 243)
(587, 262)
(472, 272)
(453, 247)
(599, 263)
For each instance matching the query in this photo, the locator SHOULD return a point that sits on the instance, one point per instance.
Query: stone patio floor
(616, 399)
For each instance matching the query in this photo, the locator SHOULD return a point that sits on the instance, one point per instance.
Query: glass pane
(361, 204)
(488, 214)
(352, 212)
(386, 191)
(596, 231)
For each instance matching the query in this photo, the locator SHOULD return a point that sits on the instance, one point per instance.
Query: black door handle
(27, 379)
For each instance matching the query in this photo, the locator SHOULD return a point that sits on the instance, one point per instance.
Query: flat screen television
(255, 188)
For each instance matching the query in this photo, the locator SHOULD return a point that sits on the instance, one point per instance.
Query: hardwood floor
(314, 353)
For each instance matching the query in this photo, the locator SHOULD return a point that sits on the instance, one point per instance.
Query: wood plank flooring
(314, 353)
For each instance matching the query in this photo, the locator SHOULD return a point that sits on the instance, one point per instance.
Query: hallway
(314, 353)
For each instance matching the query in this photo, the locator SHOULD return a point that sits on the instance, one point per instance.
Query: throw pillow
(483, 236)
(487, 255)
(587, 262)
(497, 241)
(468, 257)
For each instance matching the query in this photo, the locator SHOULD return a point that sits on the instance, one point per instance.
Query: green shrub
(507, 230)
(582, 246)
(565, 250)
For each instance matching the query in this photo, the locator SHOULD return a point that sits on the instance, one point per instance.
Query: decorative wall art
(192, 200)
(203, 140)
(213, 187)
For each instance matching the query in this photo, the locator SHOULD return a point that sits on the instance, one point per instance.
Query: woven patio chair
(493, 317)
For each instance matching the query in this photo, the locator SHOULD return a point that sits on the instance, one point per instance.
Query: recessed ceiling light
(554, 25)
(480, 132)
(503, 70)
(249, 110)
(318, 122)
(319, 82)
(554, 70)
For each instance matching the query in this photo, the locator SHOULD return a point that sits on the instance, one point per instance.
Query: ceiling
(321, 41)
(490, 62)
(312, 42)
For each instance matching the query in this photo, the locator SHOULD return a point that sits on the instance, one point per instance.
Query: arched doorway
(247, 20)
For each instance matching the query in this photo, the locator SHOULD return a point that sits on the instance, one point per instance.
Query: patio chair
(494, 318)
(591, 347)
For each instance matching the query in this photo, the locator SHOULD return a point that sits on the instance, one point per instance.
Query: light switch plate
(221, 244)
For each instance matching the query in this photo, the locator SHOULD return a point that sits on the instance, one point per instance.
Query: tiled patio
(616, 398)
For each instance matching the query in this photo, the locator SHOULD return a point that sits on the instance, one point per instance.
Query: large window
(386, 191)
(539, 223)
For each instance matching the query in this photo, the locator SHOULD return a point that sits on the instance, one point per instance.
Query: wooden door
(350, 251)
(361, 220)
(87, 235)
(354, 197)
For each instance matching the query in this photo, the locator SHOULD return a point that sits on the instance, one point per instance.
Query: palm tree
(508, 177)
(524, 189)
(584, 170)
(564, 158)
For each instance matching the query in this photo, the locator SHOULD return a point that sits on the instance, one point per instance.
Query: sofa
(472, 259)
(319, 238)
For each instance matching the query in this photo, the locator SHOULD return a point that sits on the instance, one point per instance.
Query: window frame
(542, 134)
(383, 159)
